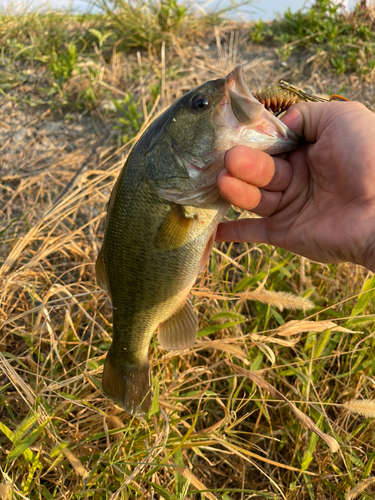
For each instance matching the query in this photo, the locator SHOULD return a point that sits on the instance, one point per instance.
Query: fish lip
(235, 81)
(293, 135)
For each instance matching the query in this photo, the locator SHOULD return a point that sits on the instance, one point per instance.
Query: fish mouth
(241, 111)
(239, 120)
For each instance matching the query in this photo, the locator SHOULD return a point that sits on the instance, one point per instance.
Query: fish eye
(199, 102)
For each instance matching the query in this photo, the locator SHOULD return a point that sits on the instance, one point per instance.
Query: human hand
(317, 201)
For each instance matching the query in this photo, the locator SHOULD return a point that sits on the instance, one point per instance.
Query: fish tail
(129, 386)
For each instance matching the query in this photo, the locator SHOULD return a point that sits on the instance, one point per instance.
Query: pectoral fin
(174, 231)
(180, 330)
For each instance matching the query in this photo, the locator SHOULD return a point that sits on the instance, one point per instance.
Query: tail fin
(128, 386)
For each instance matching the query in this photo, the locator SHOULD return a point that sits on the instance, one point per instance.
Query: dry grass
(215, 431)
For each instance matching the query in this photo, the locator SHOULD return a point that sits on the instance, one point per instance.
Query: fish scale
(161, 222)
(141, 297)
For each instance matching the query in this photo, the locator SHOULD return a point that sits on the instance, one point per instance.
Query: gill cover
(202, 125)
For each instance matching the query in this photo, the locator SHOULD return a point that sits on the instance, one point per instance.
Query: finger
(238, 192)
(249, 165)
(246, 230)
(269, 202)
(243, 195)
(282, 176)
(303, 118)
(310, 119)
(258, 168)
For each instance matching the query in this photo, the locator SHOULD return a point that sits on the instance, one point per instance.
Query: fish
(161, 223)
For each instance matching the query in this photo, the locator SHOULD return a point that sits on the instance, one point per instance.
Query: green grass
(212, 432)
(74, 52)
(345, 42)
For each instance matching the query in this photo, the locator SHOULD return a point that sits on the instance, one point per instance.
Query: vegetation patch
(76, 92)
(345, 41)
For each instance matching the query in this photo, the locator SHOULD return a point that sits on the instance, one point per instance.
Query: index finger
(257, 168)
(249, 165)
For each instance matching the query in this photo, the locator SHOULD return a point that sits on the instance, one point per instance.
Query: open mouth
(249, 112)
(238, 119)
(236, 82)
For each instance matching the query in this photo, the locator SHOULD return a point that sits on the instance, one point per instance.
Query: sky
(264, 10)
(258, 10)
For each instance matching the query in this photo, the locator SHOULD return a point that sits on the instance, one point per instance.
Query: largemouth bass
(162, 219)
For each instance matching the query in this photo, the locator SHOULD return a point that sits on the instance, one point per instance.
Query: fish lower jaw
(263, 131)
(256, 138)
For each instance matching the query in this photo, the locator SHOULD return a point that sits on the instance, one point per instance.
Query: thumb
(309, 119)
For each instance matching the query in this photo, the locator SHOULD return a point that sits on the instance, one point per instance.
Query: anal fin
(128, 386)
(180, 330)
